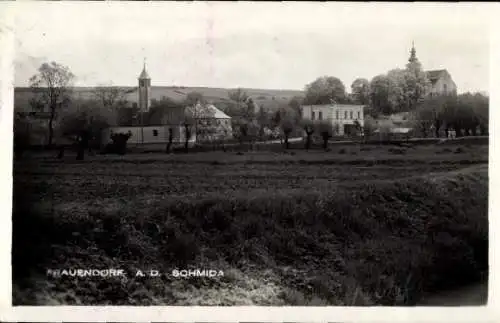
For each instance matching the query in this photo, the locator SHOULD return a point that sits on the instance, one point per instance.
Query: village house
(344, 118)
(441, 83)
(205, 121)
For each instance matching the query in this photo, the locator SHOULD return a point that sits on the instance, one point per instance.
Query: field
(356, 225)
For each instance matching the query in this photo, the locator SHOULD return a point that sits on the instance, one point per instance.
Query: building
(144, 90)
(441, 80)
(441, 83)
(344, 118)
(205, 121)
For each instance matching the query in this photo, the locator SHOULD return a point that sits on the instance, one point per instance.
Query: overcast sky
(266, 45)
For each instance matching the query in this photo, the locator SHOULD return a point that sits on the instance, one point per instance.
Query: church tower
(413, 54)
(144, 90)
(413, 63)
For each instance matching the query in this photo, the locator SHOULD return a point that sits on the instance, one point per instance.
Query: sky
(255, 45)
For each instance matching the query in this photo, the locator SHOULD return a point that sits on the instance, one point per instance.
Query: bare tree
(110, 97)
(52, 87)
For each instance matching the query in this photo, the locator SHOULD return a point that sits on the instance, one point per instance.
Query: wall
(329, 112)
(438, 87)
(149, 134)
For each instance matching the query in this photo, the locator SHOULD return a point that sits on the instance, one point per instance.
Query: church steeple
(144, 89)
(413, 54)
(144, 75)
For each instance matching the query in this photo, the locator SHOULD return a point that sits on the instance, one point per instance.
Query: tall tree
(263, 120)
(416, 82)
(360, 90)
(324, 90)
(379, 94)
(52, 87)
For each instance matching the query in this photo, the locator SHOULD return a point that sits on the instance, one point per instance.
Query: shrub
(119, 144)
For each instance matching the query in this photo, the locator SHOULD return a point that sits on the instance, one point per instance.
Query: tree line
(400, 90)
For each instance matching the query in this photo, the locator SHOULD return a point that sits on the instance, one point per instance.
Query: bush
(119, 144)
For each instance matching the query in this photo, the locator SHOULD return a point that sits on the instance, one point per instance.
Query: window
(312, 115)
(359, 115)
(320, 115)
(345, 114)
(337, 114)
(141, 83)
(351, 115)
(445, 88)
(155, 133)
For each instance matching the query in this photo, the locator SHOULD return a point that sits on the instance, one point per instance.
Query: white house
(343, 117)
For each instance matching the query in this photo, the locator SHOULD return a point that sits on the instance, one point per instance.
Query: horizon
(211, 45)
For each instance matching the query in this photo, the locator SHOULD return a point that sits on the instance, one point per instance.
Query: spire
(144, 74)
(413, 53)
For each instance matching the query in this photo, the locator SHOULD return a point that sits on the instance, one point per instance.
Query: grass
(363, 227)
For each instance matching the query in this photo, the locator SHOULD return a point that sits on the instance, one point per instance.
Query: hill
(269, 98)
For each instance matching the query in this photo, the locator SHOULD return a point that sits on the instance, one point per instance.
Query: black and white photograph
(250, 154)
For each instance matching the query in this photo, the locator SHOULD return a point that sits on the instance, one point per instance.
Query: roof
(397, 130)
(435, 74)
(335, 105)
(144, 74)
(209, 111)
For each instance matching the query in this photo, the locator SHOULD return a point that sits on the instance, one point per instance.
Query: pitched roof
(435, 74)
(335, 105)
(209, 111)
(144, 74)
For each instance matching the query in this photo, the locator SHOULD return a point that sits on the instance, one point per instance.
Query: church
(441, 82)
(206, 122)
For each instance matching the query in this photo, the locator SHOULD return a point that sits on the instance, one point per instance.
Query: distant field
(356, 225)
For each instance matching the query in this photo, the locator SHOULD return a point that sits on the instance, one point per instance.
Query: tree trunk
(186, 143)
(447, 132)
(308, 142)
(51, 127)
(170, 139)
(287, 146)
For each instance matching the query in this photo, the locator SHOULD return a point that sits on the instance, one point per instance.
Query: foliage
(238, 95)
(464, 113)
(109, 96)
(399, 90)
(325, 90)
(325, 130)
(309, 128)
(52, 87)
(360, 90)
(83, 124)
(119, 144)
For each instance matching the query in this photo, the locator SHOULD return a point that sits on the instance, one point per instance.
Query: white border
(234, 314)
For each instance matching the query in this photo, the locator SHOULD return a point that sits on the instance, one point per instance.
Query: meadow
(355, 225)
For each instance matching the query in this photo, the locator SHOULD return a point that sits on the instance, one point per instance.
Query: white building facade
(344, 118)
